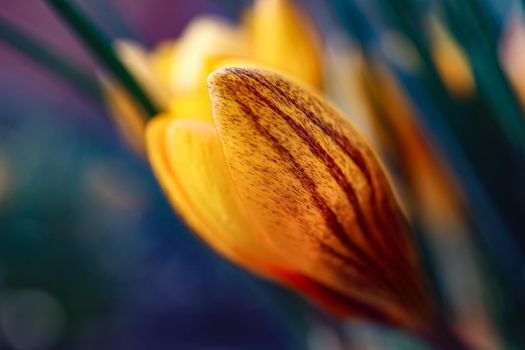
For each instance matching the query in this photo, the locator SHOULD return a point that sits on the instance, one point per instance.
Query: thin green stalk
(101, 47)
(49, 58)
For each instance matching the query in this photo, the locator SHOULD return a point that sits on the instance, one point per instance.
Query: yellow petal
(187, 158)
(188, 161)
(205, 41)
(251, 63)
(283, 37)
(162, 61)
(194, 106)
(128, 116)
(317, 189)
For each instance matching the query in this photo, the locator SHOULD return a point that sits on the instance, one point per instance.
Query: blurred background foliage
(91, 255)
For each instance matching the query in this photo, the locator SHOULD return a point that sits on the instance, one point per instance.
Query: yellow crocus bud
(282, 184)
(283, 37)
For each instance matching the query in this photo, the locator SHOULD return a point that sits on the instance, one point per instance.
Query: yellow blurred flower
(451, 61)
(280, 183)
(274, 34)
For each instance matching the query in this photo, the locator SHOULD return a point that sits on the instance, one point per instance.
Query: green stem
(48, 57)
(101, 47)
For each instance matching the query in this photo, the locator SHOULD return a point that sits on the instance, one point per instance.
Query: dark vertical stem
(101, 47)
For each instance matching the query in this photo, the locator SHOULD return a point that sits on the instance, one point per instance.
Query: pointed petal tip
(226, 86)
(218, 76)
(224, 75)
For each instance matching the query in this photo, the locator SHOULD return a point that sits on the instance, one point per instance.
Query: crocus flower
(270, 175)
(274, 33)
(280, 183)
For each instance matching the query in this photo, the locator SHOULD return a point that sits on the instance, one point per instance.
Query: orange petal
(316, 188)
(187, 158)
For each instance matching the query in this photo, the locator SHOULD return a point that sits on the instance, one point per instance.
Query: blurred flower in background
(91, 255)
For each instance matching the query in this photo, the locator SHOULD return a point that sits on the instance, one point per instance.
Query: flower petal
(187, 158)
(188, 161)
(204, 42)
(316, 187)
(283, 37)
